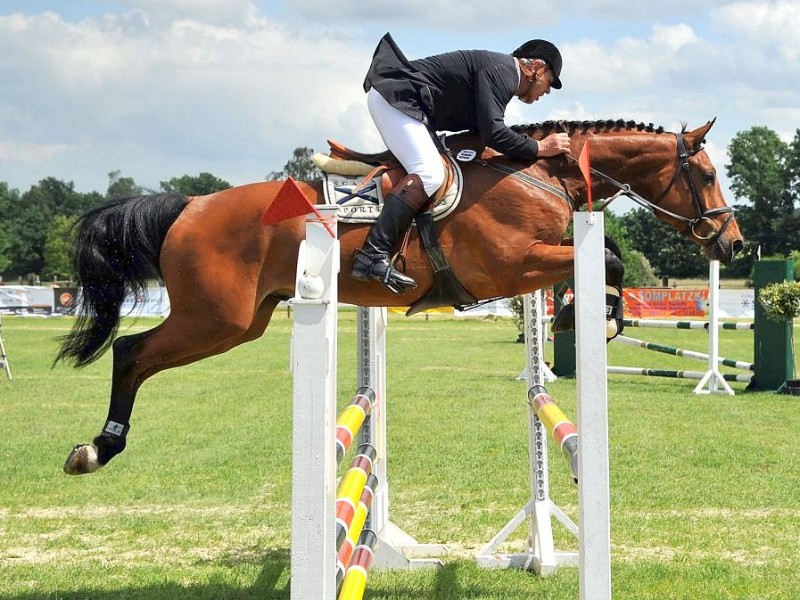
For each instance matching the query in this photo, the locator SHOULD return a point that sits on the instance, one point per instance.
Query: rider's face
(543, 80)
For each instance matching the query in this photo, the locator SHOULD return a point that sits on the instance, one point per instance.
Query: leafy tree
(27, 220)
(121, 187)
(638, 272)
(59, 247)
(300, 167)
(794, 168)
(200, 185)
(5, 244)
(794, 256)
(668, 252)
(764, 172)
(8, 198)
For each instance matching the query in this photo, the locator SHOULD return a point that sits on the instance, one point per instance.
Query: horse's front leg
(543, 266)
(615, 270)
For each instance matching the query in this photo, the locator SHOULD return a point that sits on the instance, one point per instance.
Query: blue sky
(161, 88)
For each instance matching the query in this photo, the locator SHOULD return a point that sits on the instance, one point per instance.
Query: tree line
(36, 226)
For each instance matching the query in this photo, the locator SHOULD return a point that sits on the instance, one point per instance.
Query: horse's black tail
(117, 250)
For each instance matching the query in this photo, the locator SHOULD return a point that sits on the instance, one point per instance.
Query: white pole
(541, 555)
(314, 335)
(371, 371)
(713, 380)
(593, 478)
(540, 526)
(396, 549)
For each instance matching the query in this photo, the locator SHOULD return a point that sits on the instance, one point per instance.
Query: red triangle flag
(290, 202)
(586, 169)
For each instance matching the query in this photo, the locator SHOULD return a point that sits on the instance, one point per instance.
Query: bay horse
(225, 272)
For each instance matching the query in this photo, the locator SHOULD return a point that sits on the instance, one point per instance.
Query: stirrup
(394, 285)
(391, 278)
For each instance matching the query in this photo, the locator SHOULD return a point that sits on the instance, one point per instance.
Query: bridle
(703, 215)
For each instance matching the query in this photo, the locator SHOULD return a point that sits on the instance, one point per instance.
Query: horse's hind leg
(137, 357)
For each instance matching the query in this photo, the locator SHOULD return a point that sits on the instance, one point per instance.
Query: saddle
(383, 171)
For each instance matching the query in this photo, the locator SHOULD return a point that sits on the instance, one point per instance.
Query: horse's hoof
(565, 319)
(82, 459)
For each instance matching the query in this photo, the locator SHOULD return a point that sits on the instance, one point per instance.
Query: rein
(703, 215)
(529, 179)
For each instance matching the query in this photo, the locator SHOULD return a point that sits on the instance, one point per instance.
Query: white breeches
(409, 140)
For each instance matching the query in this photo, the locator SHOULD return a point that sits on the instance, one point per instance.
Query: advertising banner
(664, 302)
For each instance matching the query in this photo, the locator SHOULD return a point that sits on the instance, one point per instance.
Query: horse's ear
(695, 139)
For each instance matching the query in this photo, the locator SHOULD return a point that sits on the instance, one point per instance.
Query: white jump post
(395, 549)
(713, 381)
(4, 364)
(594, 555)
(541, 555)
(314, 369)
(314, 337)
(590, 338)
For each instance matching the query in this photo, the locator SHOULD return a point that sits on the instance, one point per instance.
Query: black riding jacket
(466, 89)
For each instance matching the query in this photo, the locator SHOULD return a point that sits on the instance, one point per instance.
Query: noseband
(703, 215)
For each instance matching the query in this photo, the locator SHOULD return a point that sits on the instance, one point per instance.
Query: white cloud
(631, 64)
(187, 92)
(36, 154)
(452, 15)
(770, 28)
(164, 88)
(673, 39)
(228, 13)
(499, 15)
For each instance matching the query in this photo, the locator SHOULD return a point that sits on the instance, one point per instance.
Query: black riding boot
(374, 260)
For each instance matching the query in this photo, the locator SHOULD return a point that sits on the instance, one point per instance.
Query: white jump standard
(594, 555)
(314, 339)
(314, 453)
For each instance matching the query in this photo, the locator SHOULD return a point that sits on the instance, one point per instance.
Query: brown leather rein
(683, 168)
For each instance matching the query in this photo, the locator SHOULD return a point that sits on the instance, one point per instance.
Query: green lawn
(703, 488)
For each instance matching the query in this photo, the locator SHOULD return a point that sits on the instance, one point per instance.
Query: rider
(410, 101)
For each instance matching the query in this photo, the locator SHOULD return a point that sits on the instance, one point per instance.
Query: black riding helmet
(547, 52)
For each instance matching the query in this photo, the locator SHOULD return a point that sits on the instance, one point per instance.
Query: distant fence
(645, 302)
(45, 301)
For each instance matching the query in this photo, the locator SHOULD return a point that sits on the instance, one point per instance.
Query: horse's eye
(709, 177)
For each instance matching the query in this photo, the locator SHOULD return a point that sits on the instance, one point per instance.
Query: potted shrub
(781, 302)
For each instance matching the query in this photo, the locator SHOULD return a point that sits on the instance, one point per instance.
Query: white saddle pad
(364, 205)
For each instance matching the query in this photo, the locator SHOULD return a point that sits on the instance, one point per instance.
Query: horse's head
(692, 201)
(668, 173)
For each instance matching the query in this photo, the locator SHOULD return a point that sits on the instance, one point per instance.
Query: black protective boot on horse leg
(88, 458)
(565, 319)
(374, 260)
(615, 270)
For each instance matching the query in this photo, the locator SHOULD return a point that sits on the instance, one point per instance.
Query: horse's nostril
(737, 247)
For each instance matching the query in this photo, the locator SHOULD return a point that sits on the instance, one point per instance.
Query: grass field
(703, 488)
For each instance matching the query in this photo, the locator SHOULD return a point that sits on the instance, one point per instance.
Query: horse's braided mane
(603, 125)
